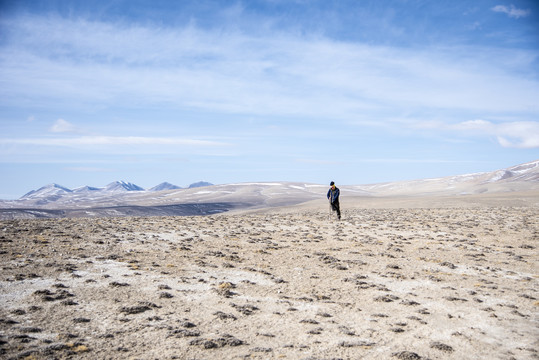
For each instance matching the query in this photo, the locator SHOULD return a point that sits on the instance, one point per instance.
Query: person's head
(332, 184)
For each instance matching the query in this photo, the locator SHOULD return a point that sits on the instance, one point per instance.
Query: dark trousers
(336, 207)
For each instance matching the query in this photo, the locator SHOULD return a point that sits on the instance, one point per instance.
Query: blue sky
(237, 91)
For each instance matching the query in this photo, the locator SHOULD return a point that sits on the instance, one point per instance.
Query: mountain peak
(85, 189)
(49, 190)
(200, 184)
(121, 185)
(164, 186)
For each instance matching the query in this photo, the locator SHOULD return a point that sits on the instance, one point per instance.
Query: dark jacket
(335, 196)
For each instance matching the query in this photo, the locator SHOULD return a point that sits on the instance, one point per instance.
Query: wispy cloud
(408, 161)
(63, 126)
(319, 162)
(510, 134)
(512, 11)
(112, 140)
(89, 169)
(518, 134)
(229, 71)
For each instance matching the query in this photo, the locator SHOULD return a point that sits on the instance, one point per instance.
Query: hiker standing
(333, 196)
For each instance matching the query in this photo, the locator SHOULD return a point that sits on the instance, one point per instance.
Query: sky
(352, 91)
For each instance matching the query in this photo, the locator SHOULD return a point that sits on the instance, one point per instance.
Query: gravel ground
(383, 283)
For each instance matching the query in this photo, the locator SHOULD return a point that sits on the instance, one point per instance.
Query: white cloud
(512, 11)
(89, 63)
(78, 149)
(480, 125)
(63, 126)
(523, 135)
(112, 141)
(319, 162)
(517, 134)
(88, 169)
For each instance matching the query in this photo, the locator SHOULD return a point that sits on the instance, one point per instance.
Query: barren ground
(384, 283)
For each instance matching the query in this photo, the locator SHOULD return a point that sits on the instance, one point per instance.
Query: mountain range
(53, 192)
(122, 198)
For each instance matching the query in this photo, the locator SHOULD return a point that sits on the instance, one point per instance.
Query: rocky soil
(403, 283)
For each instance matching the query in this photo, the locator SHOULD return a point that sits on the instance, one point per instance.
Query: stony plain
(423, 278)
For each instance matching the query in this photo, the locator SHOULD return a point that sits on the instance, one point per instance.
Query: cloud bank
(88, 63)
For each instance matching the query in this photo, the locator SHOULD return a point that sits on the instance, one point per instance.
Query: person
(333, 196)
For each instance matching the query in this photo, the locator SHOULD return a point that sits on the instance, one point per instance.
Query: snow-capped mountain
(53, 192)
(124, 198)
(86, 189)
(200, 184)
(524, 172)
(516, 178)
(164, 186)
(50, 190)
(523, 176)
(122, 186)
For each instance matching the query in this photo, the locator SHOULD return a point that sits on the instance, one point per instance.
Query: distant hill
(164, 186)
(122, 186)
(200, 184)
(521, 177)
(86, 189)
(48, 191)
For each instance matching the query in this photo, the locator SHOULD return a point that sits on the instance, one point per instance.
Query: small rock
(440, 346)
(31, 330)
(81, 320)
(452, 298)
(316, 331)
(449, 265)
(261, 349)
(386, 298)
(406, 355)
(225, 340)
(245, 309)
(364, 344)
(134, 309)
(69, 303)
(184, 333)
(188, 324)
(410, 303)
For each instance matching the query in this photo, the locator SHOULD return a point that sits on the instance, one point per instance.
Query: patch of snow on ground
(260, 184)
(13, 291)
(497, 176)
